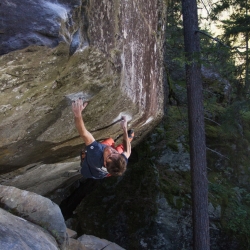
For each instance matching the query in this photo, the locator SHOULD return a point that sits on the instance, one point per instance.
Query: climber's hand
(124, 123)
(78, 106)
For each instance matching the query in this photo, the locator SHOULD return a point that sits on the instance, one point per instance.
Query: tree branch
(212, 121)
(219, 41)
(214, 38)
(217, 153)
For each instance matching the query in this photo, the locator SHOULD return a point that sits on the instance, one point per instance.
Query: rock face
(107, 52)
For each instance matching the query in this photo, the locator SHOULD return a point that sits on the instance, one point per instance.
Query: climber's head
(115, 163)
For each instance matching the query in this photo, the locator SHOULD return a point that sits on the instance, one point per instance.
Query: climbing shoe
(131, 134)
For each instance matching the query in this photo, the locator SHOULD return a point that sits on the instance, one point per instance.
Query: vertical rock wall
(131, 32)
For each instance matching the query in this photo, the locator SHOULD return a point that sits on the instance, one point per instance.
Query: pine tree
(236, 31)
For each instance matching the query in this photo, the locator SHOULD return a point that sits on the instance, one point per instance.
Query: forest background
(225, 68)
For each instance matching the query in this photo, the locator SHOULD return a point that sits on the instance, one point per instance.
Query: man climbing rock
(103, 159)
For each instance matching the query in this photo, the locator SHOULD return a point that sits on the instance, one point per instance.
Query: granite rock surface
(109, 53)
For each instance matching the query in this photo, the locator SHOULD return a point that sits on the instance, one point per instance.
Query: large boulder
(107, 52)
(36, 209)
(18, 233)
(32, 222)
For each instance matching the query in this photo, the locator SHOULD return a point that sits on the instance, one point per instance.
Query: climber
(103, 159)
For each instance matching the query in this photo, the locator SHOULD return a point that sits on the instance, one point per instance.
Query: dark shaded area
(86, 186)
(122, 210)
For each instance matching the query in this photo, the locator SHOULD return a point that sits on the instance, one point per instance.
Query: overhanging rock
(110, 51)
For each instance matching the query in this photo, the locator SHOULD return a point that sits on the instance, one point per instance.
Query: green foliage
(227, 117)
(218, 58)
(235, 118)
(212, 131)
(176, 126)
(236, 33)
(176, 188)
(235, 210)
(236, 219)
(174, 59)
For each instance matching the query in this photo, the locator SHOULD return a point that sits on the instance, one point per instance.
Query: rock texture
(35, 208)
(43, 179)
(93, 243)
(31, 222)
(108, 52)
(18, 233)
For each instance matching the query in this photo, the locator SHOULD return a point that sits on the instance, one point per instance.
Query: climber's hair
(117, 166)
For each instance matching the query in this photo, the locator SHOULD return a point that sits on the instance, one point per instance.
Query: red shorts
(110, 142)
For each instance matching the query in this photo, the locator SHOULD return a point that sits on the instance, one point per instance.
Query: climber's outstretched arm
(77, 107)
(126, 142)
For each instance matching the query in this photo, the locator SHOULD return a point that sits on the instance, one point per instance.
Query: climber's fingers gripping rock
(78, 106)
(124, 123)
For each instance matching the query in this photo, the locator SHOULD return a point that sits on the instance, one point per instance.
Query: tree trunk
(247, 57)
(247, 66)
(196, 127)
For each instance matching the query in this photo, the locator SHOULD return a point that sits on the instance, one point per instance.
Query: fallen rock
(93, 243)
(71, 233)
(18, 233)
(76, 245)
(36, 209)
